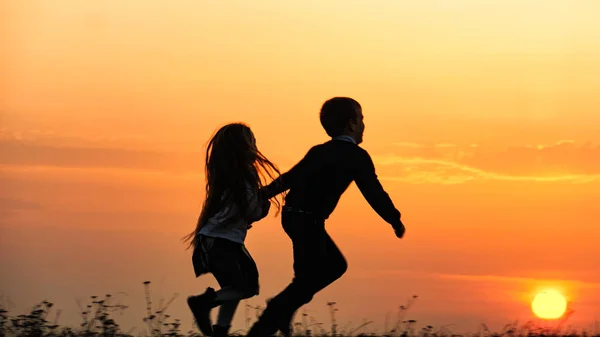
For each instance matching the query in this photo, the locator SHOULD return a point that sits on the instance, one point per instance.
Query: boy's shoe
(200, 306)
(285, 326)
(262, 328)
(220, 331)
(284, 322)
(270, 322)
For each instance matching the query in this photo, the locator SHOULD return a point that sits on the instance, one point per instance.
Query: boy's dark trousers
(317, 263)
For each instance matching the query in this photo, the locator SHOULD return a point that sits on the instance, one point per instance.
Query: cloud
(441, 163)
(517, 279)
(20, 152)
(15, 205)
(588, 284)
(53, 138)
(454, 163)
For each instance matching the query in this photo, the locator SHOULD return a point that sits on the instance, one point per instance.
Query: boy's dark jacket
(318, 181)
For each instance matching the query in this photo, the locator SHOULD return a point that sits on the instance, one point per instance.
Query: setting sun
(549, 304)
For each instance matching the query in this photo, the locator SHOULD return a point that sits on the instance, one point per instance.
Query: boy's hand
(400, 230)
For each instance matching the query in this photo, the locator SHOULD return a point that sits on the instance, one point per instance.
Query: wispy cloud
(454, 163)
(16, 205)
(54, 138)
(441, 163)
(589, 284)
(19, 152)
(517, 279)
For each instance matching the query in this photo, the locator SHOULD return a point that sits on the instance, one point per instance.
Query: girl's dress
(221, 251)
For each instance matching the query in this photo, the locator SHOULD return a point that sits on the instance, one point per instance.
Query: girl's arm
(258, 206)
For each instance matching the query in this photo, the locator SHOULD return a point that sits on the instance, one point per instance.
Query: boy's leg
(277, 312)
(331, 265)
(317, 263)
(326, 268)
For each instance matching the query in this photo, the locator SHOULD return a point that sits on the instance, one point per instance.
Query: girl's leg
(238, 277)
(202, 304)
(229, 293)
(226, 312)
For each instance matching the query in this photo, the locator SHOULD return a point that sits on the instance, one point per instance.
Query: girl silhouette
(235, 172)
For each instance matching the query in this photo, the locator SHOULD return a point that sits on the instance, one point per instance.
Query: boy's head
(343, 116)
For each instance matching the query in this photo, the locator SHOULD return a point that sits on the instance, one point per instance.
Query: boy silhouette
(315, 186)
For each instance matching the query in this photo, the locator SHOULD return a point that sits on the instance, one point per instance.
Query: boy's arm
(370, 187)
(290, 178)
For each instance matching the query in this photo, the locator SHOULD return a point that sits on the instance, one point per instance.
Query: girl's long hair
(233, 162)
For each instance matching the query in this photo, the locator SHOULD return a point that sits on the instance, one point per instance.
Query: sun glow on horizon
(549, 304)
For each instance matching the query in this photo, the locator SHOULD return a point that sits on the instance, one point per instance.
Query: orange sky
(481, 116)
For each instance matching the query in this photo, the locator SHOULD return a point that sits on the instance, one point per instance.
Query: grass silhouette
(97, 321)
